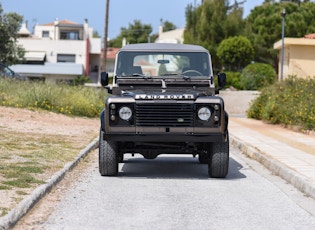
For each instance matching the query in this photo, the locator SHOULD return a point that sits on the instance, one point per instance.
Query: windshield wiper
(177, 74)
(137, 74)
(146, 77)
(170, 74)
(185, 77)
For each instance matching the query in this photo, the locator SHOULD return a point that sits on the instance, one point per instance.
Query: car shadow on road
(173, 167)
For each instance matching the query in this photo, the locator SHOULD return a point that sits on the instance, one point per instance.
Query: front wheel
(108, 160)
(219, 162)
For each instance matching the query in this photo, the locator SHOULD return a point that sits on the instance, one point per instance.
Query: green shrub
(60, 98)
(291, 102)
(81, 80)
(233, 79)
(257, 75)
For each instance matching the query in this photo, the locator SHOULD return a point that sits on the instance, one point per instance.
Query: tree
(235, 53)
(168, 26)
(210, 23)
(263, 26)
(234, 22)
(11, 52)
(192, 18)
(96, 34)
(135, 33)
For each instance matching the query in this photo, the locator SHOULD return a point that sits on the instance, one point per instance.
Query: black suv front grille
(165, 115)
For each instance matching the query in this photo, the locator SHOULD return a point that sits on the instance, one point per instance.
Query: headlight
(204, 113)
(125, 113)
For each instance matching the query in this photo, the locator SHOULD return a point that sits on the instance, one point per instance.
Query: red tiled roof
(111, 52)
(63, 22)
(310, 36)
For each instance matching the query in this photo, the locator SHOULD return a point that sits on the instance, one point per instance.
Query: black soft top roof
(164, 47)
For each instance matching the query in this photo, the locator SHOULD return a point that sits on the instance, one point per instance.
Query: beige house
(299, 56)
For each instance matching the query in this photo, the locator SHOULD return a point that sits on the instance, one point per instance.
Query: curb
(291, 176)
(25, 205)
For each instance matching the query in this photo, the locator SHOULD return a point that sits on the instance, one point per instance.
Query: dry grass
(34, 146)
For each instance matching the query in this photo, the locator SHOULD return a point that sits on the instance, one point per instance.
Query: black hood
(164, 87)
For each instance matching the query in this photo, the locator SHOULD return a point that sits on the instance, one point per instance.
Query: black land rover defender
(163, 101)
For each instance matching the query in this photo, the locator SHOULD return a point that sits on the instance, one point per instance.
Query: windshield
(153, 64)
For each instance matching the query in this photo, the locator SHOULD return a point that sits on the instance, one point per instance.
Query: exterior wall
(110, 66)
(39, 30)
(173, 36)
(302, 61)
(299, 58)
(286, 61)
(55, 47)
(237, 103)
(95, 46)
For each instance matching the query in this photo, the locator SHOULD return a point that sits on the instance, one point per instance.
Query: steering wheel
(191, 72)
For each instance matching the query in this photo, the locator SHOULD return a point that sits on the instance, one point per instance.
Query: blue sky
(122, 12)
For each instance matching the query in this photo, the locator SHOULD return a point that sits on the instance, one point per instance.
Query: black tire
(219, 162)
(108, 159)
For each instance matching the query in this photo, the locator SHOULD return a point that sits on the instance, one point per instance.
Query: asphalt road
(174, 192)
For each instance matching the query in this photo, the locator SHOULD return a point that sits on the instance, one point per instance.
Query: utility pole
(282, 47)
(104, 59)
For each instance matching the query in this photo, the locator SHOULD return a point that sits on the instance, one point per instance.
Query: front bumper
(166, 137)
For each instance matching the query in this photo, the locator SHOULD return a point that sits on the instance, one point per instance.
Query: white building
(59, 51)
(172, 36)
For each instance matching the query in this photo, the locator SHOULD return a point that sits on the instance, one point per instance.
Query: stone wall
(237, 102)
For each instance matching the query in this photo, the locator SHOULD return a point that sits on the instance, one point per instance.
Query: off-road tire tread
(219, 162)
(108, 160)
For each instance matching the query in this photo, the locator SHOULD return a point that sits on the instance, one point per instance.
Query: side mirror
(221, 80)
(104, 79)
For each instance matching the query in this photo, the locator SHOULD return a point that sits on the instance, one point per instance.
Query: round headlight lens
(125, 113)
(204, 113)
